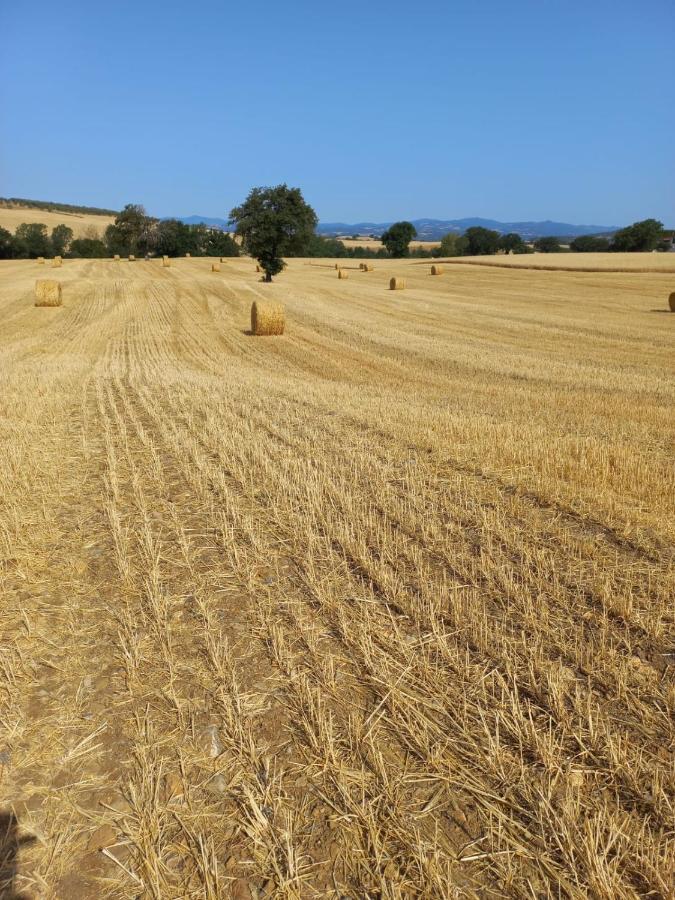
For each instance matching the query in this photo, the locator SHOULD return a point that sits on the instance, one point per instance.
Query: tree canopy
(588, 243)
(62, 235)
(31, 240)
(638, 237)
(480, 241)
(274, 222)
(397, 238)
(549, 244)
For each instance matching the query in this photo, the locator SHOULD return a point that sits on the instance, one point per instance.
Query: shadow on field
(9, 855)
(669, 311)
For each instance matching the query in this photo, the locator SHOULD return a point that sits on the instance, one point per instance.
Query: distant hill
(53, 206)
(434, 229)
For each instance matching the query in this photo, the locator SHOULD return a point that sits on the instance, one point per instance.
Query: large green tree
(512, 243)
(397, 238)
(62, 235)
(31, 240)
(173, 238)
(274, 222)
(132, 231)
(480, 241)
(639, 236)
(548, 244)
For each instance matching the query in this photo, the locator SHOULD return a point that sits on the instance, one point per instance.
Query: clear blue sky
(518, 110)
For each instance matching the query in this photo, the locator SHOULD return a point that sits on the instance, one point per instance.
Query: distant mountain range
(434, 229)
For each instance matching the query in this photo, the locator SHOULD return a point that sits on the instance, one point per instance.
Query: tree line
(132, 233)
(276, 222)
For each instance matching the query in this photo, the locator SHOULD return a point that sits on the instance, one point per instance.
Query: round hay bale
(257, 268)
(396, 284)
(166, 262)
(48, 292)
(188, 255)
(367, 268)
(215, 267)
(342, 273)
(116, 257)
(132, 258)
(41, 260)
(267, 317)
(337, 265)
(57, 262)
(437, 270)
(671, 302)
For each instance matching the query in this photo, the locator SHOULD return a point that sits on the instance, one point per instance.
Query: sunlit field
(380, 608)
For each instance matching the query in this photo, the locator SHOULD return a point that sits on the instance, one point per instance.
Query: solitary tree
(273, 223)
(397, 238)
(61, 238)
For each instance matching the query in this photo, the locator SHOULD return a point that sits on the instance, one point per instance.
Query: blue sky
(516, 110)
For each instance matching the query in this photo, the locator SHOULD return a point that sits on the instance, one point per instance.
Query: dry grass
(48, 292)
(579, 262)
(379, 609)
(82, 225)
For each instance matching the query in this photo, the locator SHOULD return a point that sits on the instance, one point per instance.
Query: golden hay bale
(437, 270)
(57, 262)
(41, 260)
(342, 273)
(215, 267)
(187, 255)
(131, 257)
(337, 265)
(367, 268)
(671, 302)
(166, 262)
(116, 257)
(267, 317)
(396, 284)
(47, 292)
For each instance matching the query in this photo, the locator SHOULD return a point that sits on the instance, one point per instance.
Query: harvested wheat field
(378, 608)
(581, 262)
